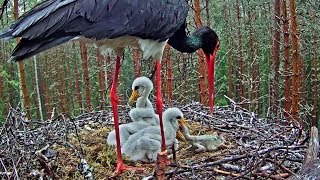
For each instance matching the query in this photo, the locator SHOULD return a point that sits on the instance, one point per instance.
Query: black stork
(144, 24)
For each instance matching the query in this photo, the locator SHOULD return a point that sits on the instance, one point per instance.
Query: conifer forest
(56, 111)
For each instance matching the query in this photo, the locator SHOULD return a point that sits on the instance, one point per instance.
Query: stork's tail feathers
(27, 48)
(38, 29)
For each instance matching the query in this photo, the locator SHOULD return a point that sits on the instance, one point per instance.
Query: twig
(46, 166)
(226, 172)
(280, 165)
(15, 174)
(278, 176)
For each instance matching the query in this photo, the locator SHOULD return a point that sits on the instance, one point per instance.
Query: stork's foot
(121, 167)
(163, 159)
(162, 163)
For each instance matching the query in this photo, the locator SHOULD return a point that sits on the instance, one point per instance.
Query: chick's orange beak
(133, 98)
(182, 121)
(179, 134)
(210, 68)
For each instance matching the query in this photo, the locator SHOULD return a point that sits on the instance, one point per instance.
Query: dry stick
(222, 130)
(220, 113)
(280, 165)
(278, 176)
(78, 136)
(234, 158)
(250, 166)
(249, 169)
(287, 150)
(43, 162)
(5, 169)
(15, 174)
(37, 173)
(226, 172)
(229, 124)
(39, 152)
(84, 167)
(247, 128)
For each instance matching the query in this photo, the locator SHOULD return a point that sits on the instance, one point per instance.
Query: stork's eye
(178, 117)
(136, 87)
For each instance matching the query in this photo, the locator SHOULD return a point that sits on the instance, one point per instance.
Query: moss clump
(102, 158)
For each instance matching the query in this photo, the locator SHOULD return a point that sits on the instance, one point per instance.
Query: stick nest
(75, 148)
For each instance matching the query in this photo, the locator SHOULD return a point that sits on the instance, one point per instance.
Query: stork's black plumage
(145, 24)
(54, 22)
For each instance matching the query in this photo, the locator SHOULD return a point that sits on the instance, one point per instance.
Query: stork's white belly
(150, 48)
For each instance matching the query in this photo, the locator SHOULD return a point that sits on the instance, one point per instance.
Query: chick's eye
(178, 117)
(136, 87)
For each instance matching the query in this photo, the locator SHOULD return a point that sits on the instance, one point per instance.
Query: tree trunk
(55, 100)
(84, 58)
(169, 74)
(240, 66)
(70, 86)
(270, 62)
(287, 63)
(202, 70)
(33, 92)
(302, 88)
(163, 74)
(137, 62)
(207, 12)
(59, 78)
(22, 72)
(253, 89)
(229, 52)
(101, 79)
(108, 73)
(184, 76)
(37, 86)
(315, 71)
(276, 56)
(76, 74)
(256, 68)
(2, 91)
(295, 61)
(47, 84)
(63, 90)
(2, 95)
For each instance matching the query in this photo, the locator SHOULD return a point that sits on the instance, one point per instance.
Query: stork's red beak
(210, 67)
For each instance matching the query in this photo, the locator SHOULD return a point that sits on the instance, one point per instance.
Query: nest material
(255, 147)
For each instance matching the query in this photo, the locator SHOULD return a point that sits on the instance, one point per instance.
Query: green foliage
(183, 74)
(127, 75)
(8, 79)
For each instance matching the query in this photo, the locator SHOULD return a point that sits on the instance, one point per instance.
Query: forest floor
(64, 147)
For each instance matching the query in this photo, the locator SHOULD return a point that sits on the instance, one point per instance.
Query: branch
(232, 158)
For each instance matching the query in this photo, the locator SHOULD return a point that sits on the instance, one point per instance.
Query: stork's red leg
(159, 104)
(162, 159)
(114, 103)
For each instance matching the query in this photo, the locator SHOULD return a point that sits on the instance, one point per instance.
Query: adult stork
(144, 24)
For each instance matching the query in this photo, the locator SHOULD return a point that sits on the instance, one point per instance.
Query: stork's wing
(54, 22)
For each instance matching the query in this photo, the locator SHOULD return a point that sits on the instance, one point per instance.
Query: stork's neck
(183, 43)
